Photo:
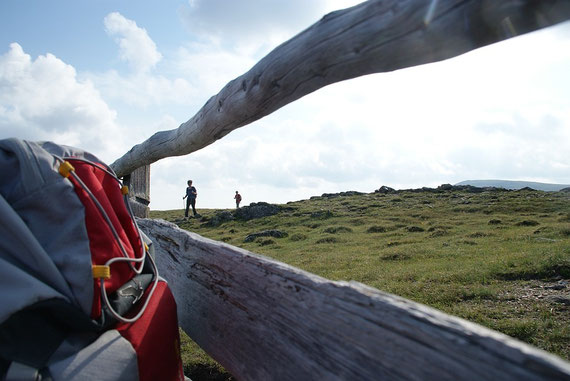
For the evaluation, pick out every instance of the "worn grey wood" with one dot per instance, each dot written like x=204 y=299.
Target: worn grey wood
x=139 y=190
x=375 y=36
x=265 y=320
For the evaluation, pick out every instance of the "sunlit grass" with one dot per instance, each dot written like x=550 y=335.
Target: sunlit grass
x=470 y=255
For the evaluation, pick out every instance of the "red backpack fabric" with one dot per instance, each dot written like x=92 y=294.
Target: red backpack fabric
x=96 y=307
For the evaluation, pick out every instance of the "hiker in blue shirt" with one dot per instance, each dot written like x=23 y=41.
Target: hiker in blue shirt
x=190 y=197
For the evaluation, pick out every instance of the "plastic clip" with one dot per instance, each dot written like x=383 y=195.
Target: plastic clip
x=100 y=271
x=65 y=169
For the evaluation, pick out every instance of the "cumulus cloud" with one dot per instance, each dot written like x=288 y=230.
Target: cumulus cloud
x=208 y=67
x=254 y=27
x=136 y=47
x=144 y=86
x=43 y=99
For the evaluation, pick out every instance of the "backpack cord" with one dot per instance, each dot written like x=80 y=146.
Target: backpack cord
x=125 y=257
x=143 y=308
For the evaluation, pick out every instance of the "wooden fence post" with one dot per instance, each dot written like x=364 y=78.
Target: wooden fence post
x=139 y=190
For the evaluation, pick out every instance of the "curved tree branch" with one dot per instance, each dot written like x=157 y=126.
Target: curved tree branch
x=372 y=37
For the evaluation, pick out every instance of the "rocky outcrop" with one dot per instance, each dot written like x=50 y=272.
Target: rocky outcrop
x=256 y=210
x=342 y=194
x=385 y=190
x=440 y=189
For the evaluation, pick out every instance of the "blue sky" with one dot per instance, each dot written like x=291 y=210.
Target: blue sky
x=105 y=75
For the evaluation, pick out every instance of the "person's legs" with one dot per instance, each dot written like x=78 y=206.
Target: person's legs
x=194 y=206
x=187 y=206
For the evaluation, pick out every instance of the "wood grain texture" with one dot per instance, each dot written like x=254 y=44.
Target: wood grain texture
x=138 y=183
x=265 y=320
x=372 y=37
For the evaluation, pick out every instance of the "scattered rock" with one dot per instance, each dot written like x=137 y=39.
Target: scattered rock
x=562 y=299
x=527 y=223
x=555 y=287
x=266 y=233
x=561 y=285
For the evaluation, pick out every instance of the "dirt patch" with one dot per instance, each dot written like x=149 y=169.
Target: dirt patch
x=556 y=293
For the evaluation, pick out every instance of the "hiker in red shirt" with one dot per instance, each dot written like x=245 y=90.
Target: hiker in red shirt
x=237 y=197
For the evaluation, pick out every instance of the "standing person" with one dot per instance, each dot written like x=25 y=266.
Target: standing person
x=237 y=197
x=190 y=197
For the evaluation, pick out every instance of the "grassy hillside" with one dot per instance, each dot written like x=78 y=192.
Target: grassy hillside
x=497 y=258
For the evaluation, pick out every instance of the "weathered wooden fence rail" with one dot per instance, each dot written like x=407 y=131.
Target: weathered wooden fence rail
x=265 y=320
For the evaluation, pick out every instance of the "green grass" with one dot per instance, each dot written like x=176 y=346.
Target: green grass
x=485 y=257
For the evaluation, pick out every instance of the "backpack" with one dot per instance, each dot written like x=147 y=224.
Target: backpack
x=80 y=293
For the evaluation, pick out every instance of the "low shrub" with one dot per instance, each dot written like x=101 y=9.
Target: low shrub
x=528 y=223
x=338 y=229
x=298 y=237
x=328 y=240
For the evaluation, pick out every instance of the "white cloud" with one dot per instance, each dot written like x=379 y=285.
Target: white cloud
x=209 y=67
x=143 y=90
x=136 y=47
x=254 y=27
x=146 y=87
x=42 y=99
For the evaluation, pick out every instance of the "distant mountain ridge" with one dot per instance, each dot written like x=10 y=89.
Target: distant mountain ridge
x=508 y=184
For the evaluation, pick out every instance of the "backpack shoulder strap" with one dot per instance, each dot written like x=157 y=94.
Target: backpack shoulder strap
x=46 y=324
